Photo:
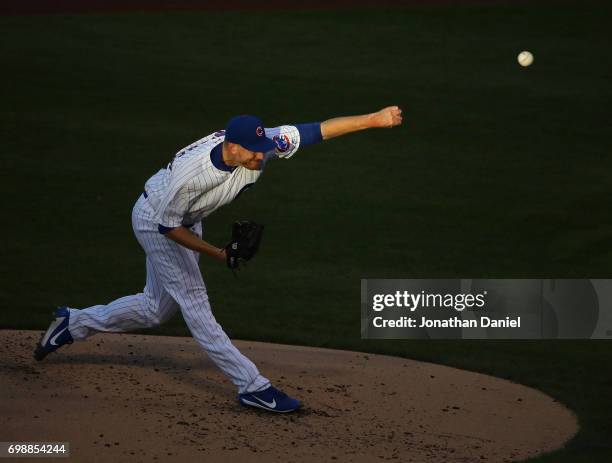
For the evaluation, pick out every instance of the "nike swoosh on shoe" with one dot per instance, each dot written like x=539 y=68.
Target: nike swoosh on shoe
x=267 y=404
x=57 y=322
x=258 y=405
x=54 y=338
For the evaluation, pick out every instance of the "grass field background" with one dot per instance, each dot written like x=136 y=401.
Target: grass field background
x=498 y=171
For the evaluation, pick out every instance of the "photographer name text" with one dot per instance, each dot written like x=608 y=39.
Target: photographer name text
x=455 y=322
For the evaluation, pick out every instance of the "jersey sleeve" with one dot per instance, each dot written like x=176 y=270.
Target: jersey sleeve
x=286 y=138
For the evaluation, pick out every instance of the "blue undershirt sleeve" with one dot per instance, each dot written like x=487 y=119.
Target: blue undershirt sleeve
x=309 y=133
x=163 y=230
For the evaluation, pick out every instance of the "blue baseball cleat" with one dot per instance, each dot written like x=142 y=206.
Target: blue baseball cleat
x=56 y=336
x=270 y=399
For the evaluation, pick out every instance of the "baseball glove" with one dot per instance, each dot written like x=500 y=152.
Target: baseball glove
x=246 y=236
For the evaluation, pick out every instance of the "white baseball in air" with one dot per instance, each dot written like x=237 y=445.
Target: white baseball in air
x=525 y=58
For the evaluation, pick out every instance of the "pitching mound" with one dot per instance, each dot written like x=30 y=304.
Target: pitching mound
x=146 y=398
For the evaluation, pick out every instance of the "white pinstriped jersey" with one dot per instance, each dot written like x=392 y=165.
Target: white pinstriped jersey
x=191 y=187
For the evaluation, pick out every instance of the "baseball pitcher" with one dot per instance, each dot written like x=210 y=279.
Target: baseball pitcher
x=166 y=219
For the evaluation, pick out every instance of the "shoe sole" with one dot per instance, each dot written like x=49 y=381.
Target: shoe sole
x=40 y=352
x=55 y=324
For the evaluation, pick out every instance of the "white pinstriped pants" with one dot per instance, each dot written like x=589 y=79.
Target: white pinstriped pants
x=174 y=281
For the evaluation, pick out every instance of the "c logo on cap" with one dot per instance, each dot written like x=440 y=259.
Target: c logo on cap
x=259 y=131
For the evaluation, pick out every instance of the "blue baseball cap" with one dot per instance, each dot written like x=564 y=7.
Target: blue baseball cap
x=248 y=132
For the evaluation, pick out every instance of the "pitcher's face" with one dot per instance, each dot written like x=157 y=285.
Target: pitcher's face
x=250 y=159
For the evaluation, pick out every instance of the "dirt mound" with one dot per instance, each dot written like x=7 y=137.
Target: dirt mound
x=148 y=398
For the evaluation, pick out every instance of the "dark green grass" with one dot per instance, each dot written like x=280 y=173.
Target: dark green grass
x=498 y=171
